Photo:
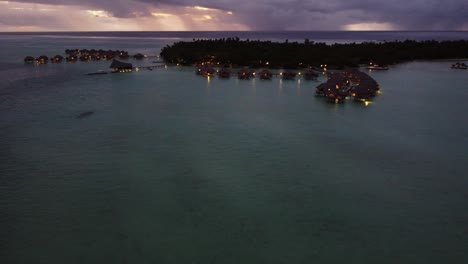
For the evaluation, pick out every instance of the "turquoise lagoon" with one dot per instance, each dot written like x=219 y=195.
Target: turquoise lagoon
x=177 y=168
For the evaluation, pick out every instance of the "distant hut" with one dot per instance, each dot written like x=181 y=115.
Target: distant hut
x=310 y=75
x=42 y=59
x=460 y=66
x=72 y=58
x=123 y=55
x=288 y=75
x=224 y=73
x=245 y=74
x=108 y=55
x=321 y=89
x=118 y=66
x=57 y=59
x=29 y=59
x=265 y=75
x=205 y=70
x=139 y=56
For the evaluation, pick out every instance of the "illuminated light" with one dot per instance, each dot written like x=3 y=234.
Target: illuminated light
x=3 y=2
x=281 y=73
x=98 y=13
x=156 y=14
x=267 y=63
x=229 y=12
x=369 y=26
x=366 y=103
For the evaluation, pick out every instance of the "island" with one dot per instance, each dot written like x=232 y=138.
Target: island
x=294 y=55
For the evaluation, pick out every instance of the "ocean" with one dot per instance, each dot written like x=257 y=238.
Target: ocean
x=172 y=167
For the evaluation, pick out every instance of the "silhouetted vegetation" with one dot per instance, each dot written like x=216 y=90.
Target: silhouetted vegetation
x=288 y=54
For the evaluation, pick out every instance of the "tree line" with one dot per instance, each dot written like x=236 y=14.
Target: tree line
x=261 y=53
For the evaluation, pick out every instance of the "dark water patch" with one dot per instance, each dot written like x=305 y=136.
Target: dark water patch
x=84 y=114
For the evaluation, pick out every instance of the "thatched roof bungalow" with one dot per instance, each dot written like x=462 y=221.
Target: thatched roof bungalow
x=57 y=59
x=205 y=70
x=224 y=73
x=29 y=59
x=118 y=66
x=265 y=75
x=42 y=59
x=245 y=74
x=72 y=58
x=288 y=75
x=139 y=56
x=310 y=75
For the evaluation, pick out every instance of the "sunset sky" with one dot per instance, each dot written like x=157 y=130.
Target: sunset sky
x=181 y=15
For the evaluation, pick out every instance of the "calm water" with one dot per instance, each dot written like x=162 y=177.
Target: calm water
x=175 y=168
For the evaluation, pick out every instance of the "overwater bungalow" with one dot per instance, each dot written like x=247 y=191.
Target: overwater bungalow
x=123 y=55
x=118 y=66
x=108 y=55
x=375 y=66
x=288 y=75
x=459 y=66
x=224 y=73
x=311 y=75
x=139 y=56
x=57 y=59
x=29 y=59
x=265 y=75
x=205 y=70
x=245 y=74
x=42 y=59
x=85 y=58
x=336 y=89
x=72 y=58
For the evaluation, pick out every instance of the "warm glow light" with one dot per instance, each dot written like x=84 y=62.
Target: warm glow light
x=369 y=26
x=229 y=12
x=98 y=13
x=202 y=8
x=155 y=14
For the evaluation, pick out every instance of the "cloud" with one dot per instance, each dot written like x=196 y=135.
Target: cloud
x=263 y=14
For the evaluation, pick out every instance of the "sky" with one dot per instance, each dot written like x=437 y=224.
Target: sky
x=207 y=15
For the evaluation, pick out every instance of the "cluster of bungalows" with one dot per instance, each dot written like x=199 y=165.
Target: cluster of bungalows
x=247 y=73
x=43 y=59
x=460 y=66
x=348 y=83
x=73 y=55
x=93 y=54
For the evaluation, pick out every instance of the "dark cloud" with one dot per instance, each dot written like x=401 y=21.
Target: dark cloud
x=303 y=14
